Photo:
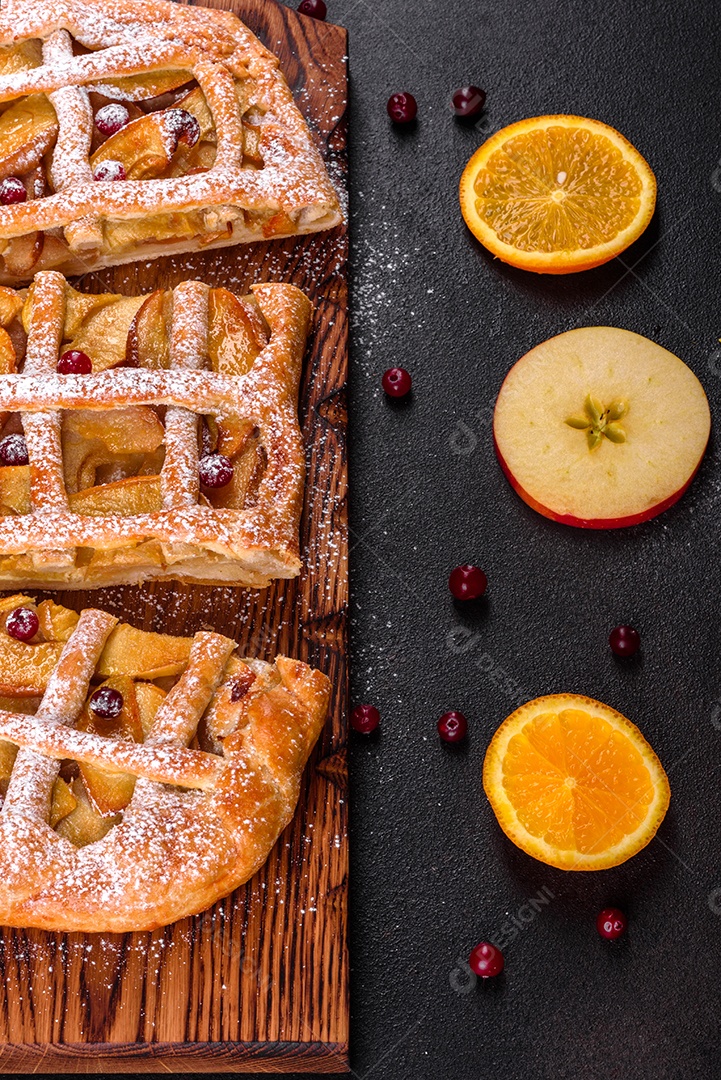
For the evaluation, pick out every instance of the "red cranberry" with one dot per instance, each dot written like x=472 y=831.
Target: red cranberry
x=110 y=170
x=111 y=118
x=467 y=582
x=452 y=726
x=365 y=718
x=397 y=382
x=75 y=362
x=12 y=190
x=183 y=125
x=107 y=703
x=486 y=960
x=611 y=923
x=22 y=623
x=215 y=471
x=14 y=450
x=402 y=108
x=468 y=102
x=624 y=641
x=315 y=8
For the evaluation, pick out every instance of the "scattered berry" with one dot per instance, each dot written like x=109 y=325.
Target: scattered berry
x=111 y=119
x=75 y=362
x=315 y=8
x=468 y=102
x=215 y=470
x=467 y=582
x=183 y=125
x=12 y=190
x=14 y=450
x=624 y=641
x=107 y=703
x=22 y=623
x=453 y=726
x=110 y=170
x=365 y=718
x=397 y=382
x=402 y=108
x=611 y=923
x=486 y=960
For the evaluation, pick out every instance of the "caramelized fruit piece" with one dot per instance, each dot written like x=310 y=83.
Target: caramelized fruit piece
x=251 y=143
x=7 y=355
x=227 y=711
x=63 y=802
x=15 y=489
x=201 y=156
x=157 y=228
x=103 y=335
x=120 y=436
x=148 y=84
x=248 y=469
x=23 y=252
x=134 y=495
x=27 y=131
x=233 y=434
x=83 y=825
x=149 y=698
x=110 y=792
x=25 y=669
x=8 y=753
x=148 y=343
x=135 y=427
x=21 y=57
x=235 y=334
x=79 y=307
x=142 y=655
x=11 y=304
x=56 y=622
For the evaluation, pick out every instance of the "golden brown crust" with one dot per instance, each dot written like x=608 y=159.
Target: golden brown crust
x=282 y=190
x=178 y=533
x=175 y=850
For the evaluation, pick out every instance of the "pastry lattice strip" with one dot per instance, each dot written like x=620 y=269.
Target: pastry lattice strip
x=128 y=39
x=263 y=398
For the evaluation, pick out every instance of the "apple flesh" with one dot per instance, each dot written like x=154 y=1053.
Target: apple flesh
x=646 y=418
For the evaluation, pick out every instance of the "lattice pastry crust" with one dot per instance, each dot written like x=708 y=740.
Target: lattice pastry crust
x=212 y=151
x=118 y=824
x=183 y=382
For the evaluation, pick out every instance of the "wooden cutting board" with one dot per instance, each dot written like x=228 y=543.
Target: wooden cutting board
x=259 y=983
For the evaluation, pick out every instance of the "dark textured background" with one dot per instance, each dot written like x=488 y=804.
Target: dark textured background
x=431 y=872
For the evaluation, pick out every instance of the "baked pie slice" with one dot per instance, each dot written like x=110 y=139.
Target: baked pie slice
x=143 y=776
x=131 y=129
x=150 y=436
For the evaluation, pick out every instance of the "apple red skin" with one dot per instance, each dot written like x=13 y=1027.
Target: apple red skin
x=595 y=523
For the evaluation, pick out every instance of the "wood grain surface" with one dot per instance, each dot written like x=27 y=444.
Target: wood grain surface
x=258 y=983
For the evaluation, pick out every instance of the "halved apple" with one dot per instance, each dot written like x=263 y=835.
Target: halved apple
x=27 y=131
x=600 y=428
